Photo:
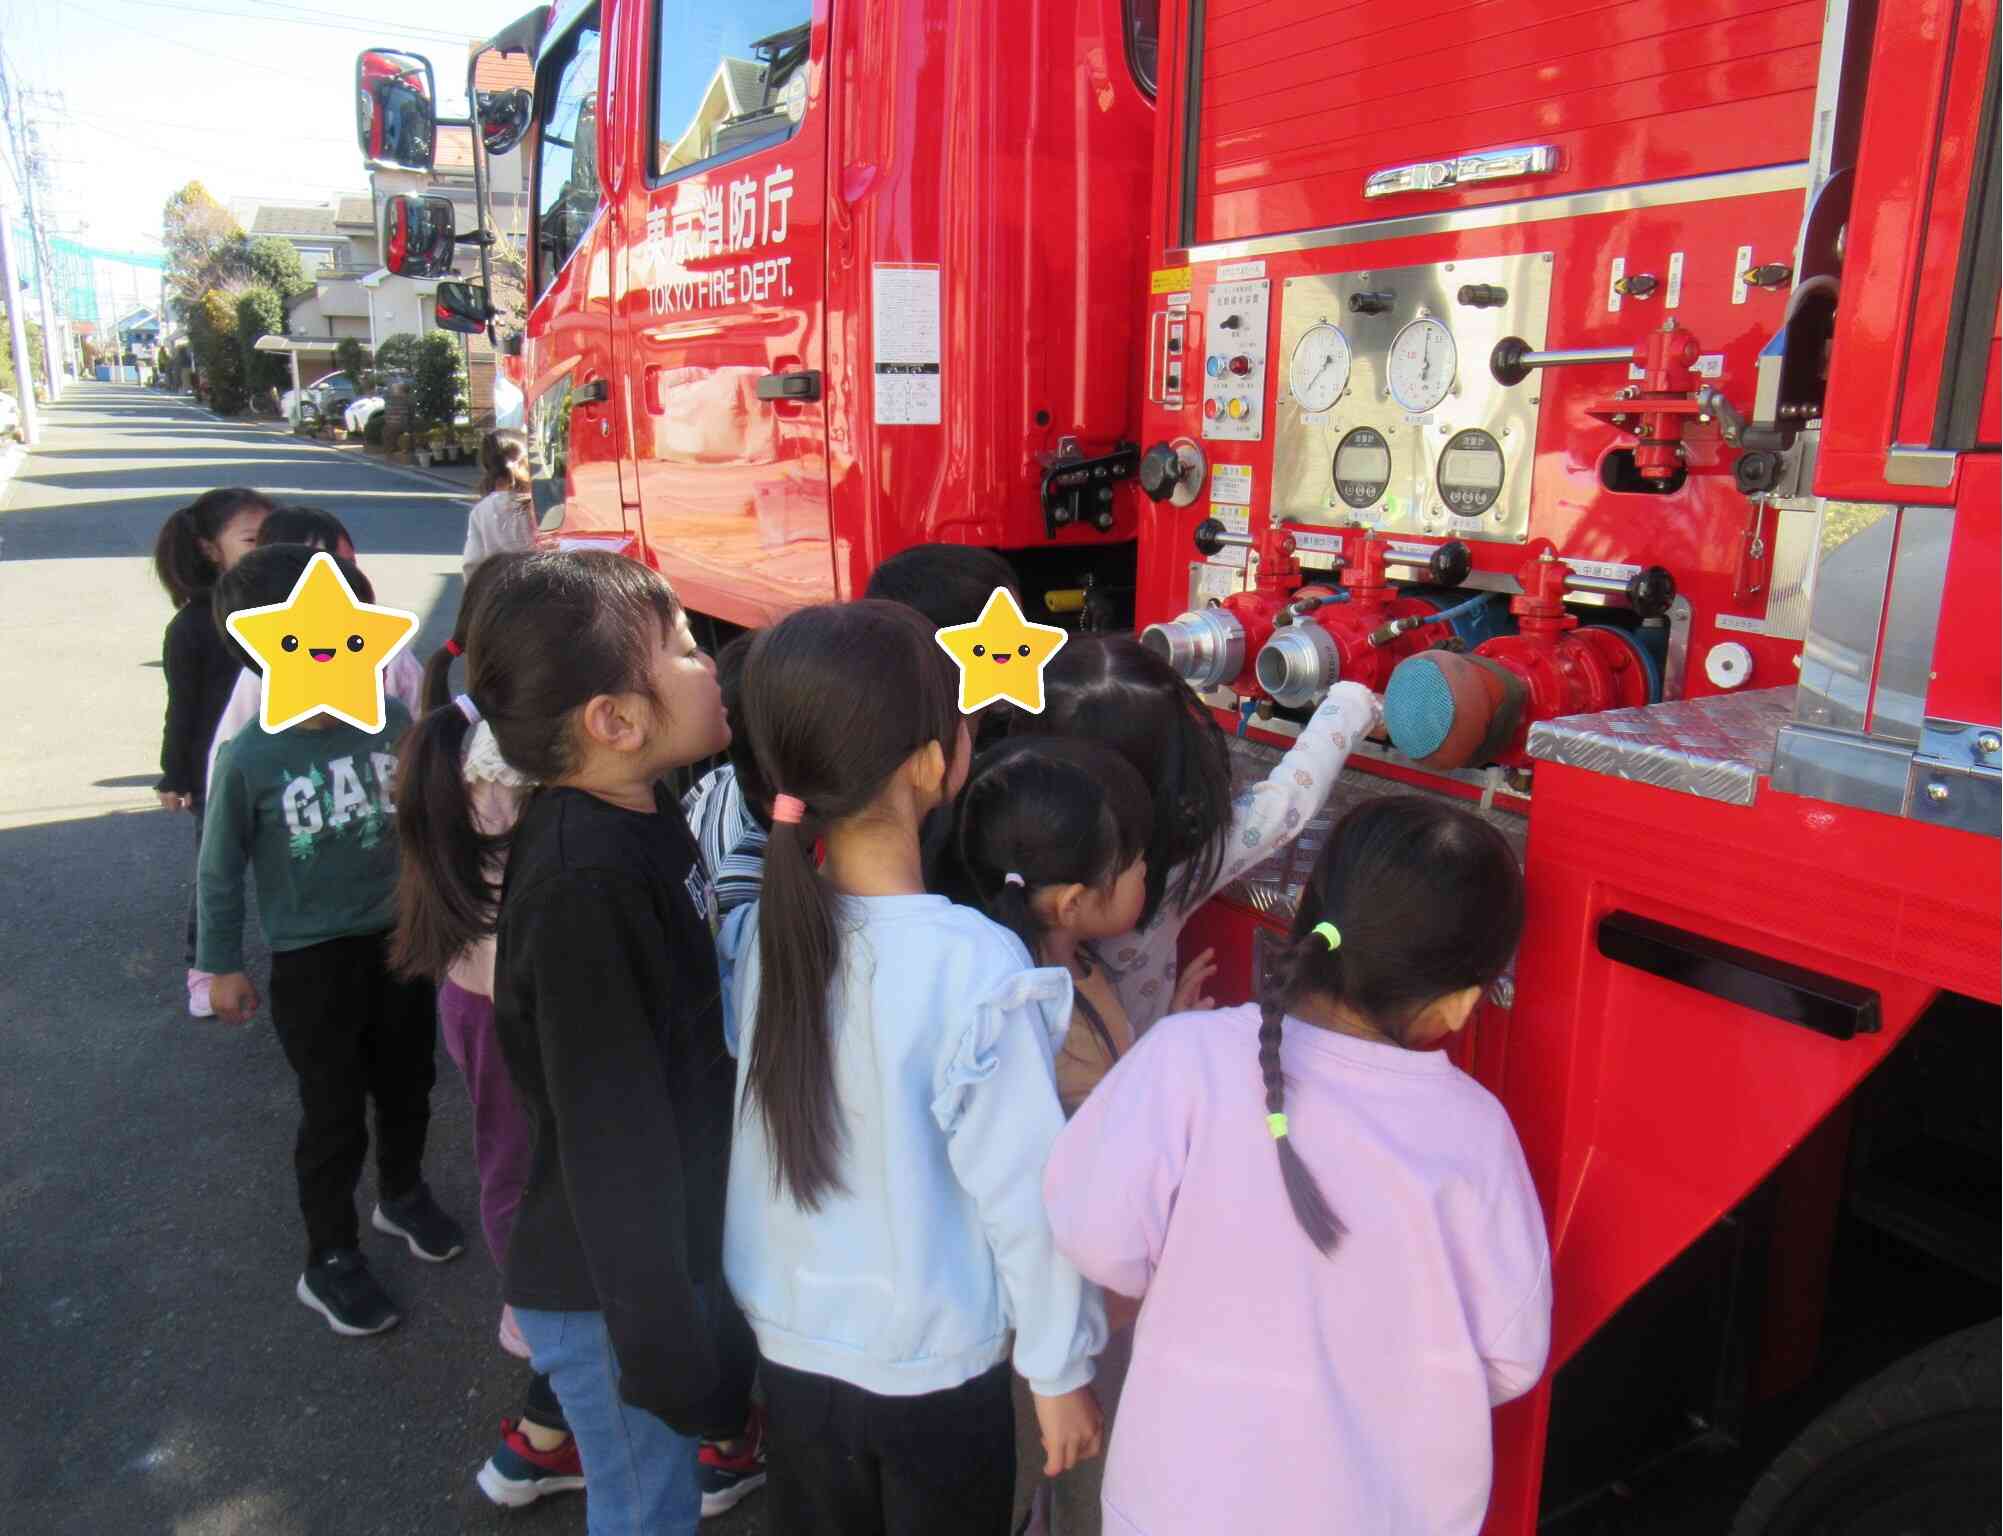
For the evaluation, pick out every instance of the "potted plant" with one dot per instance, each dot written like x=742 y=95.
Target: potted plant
x=420 y=444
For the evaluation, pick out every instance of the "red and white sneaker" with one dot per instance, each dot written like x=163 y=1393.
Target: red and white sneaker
x=725 y=1479
x=519 y=1474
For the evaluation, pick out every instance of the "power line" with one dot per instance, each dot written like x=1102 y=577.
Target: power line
x=92 y=119
x=207 y=53
x=303 y=20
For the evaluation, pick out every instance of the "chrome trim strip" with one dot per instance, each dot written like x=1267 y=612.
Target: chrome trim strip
x=1911 y=624
x=1932 y=468
x=1566 y=205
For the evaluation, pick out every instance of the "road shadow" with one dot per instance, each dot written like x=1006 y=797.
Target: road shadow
x=149 y=1240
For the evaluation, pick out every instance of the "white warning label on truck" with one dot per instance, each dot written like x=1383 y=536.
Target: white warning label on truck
x=905 y=309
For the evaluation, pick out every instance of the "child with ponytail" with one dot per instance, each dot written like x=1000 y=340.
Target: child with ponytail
x=896 y=1102
x=537 y=1455
x=503 y=519
x=581 y=667
x=1316 y=1151
x=196 y=545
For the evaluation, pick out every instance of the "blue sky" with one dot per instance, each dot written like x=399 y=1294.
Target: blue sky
x=254 y=98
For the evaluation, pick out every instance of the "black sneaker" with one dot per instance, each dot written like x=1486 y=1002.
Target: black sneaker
x=340 y=1288
x=433 y=1236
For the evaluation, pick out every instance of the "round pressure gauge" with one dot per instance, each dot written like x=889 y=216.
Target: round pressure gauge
x=1421 y=365
x=1319 y=372
x=1470 y=473
x=1362 y=467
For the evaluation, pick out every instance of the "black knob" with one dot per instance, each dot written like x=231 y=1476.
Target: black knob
x=1505 y=362
x=1769 y=275
x=1161 y=472
x=1756 y=472
x=1483 y=296
x=1450 y=563
x=1638 y=285
x=1210 y=536
x=1231 y=322
x=1103 y=520
x=1368 y=303
x=1651 y=591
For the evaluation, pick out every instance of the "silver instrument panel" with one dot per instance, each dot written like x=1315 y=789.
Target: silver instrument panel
x=1474 y=420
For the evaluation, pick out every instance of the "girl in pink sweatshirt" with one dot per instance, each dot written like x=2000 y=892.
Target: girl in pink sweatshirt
x=1342 y=1259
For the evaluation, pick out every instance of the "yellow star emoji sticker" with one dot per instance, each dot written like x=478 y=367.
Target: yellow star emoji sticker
x=322 y=650
x=1001 y=655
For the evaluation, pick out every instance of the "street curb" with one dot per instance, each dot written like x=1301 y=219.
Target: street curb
x=408 y=471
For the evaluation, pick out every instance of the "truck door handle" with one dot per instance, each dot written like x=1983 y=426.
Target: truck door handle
x=597 y=392
x=803 y=384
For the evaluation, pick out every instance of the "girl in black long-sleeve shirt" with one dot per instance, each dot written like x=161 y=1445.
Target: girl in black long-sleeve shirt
x=606 y=1005
x=196 y=545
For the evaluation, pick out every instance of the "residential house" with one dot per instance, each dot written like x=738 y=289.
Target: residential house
x=337 y=245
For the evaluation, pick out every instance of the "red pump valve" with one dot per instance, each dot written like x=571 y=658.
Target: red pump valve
x=1450 y=711
x=1656 y=410
x=1324 y=641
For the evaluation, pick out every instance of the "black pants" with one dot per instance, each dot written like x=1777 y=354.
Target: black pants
x=845 y=1462
x=195 y=890
x=352 y=1033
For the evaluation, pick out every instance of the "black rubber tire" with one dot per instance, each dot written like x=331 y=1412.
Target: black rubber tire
x=1911 y=1452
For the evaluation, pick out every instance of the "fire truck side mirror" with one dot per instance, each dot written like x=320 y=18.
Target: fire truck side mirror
x=504 y=119
x=462 y=307
x=396 y=112
x=418 y=236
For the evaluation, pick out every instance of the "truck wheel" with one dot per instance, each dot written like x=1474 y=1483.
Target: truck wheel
x=1911 y=1452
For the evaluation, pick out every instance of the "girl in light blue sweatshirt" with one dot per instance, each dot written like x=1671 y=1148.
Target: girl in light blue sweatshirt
x=896 y=1101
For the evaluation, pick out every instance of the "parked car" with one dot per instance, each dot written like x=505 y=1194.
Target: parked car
x=357 y=415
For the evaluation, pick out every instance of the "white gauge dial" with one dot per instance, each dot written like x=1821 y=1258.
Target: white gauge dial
x=1319 y=372
x=1421 y=366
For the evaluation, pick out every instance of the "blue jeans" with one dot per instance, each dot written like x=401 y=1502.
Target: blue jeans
x=639 y=1475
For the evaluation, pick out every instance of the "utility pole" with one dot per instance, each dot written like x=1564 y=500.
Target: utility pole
x=17 y=330
x=25 y=173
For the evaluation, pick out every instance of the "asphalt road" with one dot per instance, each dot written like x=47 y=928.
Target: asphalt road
x=156 y=1373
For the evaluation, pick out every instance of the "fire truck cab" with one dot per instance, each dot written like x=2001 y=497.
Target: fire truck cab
x=1612 y=385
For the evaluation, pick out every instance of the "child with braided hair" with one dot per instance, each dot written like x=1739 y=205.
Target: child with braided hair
x=1394 y=1267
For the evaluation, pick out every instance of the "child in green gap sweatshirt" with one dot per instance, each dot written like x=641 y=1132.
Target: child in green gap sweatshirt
x=309 y=809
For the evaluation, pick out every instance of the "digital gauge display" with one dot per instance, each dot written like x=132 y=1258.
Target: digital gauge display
x=1362 y=467
x=1420 y=369
x=1470 y=472
x=1319 y=371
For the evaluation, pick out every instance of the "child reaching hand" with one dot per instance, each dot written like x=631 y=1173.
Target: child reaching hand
x=1111 y=689
x=896 y=1101
x=1313 y=1152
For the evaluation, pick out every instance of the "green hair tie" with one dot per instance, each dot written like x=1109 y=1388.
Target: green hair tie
x=1329 y=933
x=1277 y=1124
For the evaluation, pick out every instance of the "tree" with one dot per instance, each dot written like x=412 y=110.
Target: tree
x=212 y=330
x=352 y=358
x=8 y=383
x=203 y=244
x=437 y=388
x=273 y=263
x=259 y=312
x=397 y=354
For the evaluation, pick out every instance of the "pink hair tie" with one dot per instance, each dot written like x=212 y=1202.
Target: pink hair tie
x=787 y=809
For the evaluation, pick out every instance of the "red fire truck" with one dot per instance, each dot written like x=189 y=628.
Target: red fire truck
x=1614 y=385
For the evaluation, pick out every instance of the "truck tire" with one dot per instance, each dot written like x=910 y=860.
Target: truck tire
x=1911 y=1452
